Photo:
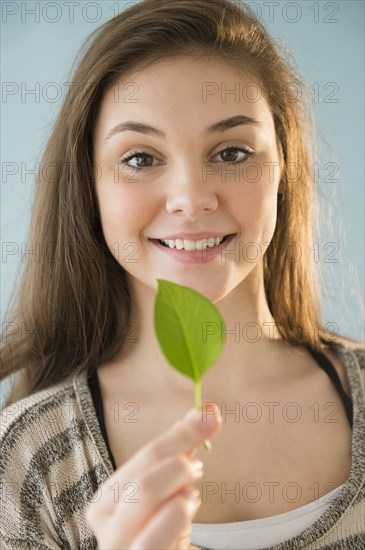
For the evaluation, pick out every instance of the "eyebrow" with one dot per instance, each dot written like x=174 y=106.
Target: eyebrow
x=220 y=126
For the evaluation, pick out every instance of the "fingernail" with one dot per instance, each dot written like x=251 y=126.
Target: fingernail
x=208 y=415
x=196 y=464
x=197 y=468
x=203 y=418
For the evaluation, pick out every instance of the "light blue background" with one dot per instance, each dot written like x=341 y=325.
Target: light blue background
x=37 y=50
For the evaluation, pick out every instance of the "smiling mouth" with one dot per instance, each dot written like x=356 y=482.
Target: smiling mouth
x=192 y=245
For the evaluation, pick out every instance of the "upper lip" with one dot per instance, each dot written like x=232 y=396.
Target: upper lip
x=194 y=236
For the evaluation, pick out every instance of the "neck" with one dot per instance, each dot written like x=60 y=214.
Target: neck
x=251 y=337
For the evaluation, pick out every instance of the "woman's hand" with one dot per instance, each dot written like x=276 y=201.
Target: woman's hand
x=159 y=513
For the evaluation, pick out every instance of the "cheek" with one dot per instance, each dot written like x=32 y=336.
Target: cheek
x=123 y=212
x=254 y=200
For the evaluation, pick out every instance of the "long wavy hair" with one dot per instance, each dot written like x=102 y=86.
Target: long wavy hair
x=71 y=308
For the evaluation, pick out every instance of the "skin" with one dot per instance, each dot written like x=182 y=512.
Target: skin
x=172 y=196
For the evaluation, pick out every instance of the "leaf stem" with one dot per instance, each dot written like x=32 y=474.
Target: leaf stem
x=198 y=395
x=198 y=406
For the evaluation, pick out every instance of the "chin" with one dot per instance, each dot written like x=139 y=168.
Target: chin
x=213 y=288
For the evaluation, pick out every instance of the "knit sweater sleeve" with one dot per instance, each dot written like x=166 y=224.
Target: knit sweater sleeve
x=49 y=472
x=27 y=513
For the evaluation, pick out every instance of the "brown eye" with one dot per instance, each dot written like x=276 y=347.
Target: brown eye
x=138 y=165
x=229 y=155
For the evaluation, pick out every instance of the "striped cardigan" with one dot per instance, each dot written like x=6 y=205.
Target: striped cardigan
x=53 y=459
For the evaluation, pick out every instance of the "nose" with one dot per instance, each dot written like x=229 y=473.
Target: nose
x=190 y=195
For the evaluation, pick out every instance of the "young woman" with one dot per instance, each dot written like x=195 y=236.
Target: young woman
x=158 y=170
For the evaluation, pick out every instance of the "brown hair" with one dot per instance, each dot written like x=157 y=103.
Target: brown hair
x=72 y=306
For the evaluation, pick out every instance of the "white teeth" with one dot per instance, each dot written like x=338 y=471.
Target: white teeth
x=185 y=244
x=189 y=245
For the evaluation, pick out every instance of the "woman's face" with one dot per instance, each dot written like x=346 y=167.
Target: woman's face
x=188 y=179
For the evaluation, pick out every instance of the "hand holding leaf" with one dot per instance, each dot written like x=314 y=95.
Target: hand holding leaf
x=185 y=325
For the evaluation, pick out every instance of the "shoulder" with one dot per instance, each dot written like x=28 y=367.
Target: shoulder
x=33 y=420
x=346 y=355
x=352 y=348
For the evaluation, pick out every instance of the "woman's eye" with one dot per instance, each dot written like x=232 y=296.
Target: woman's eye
x=136 y=166
x=229 y=155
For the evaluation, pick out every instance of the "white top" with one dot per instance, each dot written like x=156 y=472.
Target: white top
x=259 y=533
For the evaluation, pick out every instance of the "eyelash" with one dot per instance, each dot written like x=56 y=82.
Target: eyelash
x=125 y=160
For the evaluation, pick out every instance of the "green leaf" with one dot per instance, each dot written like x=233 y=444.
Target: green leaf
x=188 y=327
x=189 y=330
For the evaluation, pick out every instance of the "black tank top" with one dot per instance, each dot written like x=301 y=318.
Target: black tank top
x=321 y=359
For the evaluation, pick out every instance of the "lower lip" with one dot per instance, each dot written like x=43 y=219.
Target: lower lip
x=194 y=256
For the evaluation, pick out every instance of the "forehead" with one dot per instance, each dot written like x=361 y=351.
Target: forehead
x=185 y=91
